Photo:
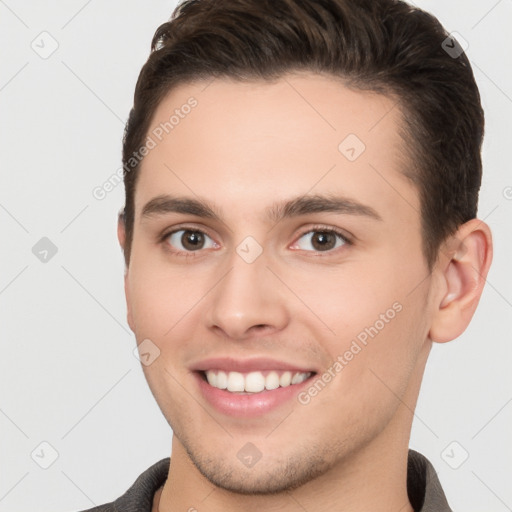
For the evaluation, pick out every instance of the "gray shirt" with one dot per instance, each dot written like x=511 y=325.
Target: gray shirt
x=423 y=487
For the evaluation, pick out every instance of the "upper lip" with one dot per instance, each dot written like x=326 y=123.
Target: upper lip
x=247 y=365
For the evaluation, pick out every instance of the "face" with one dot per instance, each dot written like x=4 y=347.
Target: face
x=277 y=251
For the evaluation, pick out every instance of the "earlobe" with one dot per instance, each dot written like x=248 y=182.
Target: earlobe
x=121 y=231
x=463 y=273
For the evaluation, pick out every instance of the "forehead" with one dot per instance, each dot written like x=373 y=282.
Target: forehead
x=245 y=142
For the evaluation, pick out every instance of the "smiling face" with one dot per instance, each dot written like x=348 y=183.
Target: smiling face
x=277 y=243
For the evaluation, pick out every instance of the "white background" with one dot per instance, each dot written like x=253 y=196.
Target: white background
x=68 y=374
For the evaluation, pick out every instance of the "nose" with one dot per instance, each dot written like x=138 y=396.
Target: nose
x=247 y=301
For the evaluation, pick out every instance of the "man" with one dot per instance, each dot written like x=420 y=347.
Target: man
x=300 y=226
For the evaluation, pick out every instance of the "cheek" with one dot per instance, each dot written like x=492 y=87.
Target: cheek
x=379 y=358
x=345 y=299
x=373 y=318
x=370 y=372
x=161 y=298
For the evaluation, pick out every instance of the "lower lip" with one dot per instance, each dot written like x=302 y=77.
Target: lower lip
x=252 y=405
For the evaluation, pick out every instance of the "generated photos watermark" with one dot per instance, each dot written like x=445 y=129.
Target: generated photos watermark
x=157 y=134
x=356 y=346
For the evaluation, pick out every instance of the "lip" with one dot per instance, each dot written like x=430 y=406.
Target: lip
x=229 y=364
x=247 y=405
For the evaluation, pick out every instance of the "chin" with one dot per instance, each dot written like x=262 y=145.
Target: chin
x=264 y=478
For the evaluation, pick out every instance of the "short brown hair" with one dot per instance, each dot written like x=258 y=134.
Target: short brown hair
x=385 y=46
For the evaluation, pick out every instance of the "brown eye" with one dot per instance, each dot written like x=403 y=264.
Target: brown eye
x=192 y=240
x=321 y=240
x=186 y=240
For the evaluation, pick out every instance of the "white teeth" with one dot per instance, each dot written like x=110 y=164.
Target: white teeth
x=298 y=378
x=235 y=381
x=272 y=381
x=222 y=380
x=253 y=382
x=212 y=379
x=286 y=379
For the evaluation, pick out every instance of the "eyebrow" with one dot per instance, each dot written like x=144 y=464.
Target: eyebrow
x=295 y=207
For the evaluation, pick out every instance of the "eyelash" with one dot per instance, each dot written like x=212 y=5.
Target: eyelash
x=192 y=254
x=324 y=229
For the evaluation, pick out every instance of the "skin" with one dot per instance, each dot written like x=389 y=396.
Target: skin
x=242 y=148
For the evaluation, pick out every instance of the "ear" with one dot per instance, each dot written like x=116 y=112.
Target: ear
x=121 y=236
x=121 y=231
x=462 y=275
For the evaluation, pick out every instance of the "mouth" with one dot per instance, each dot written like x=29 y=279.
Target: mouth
x=250 y=383
x=249 y=388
